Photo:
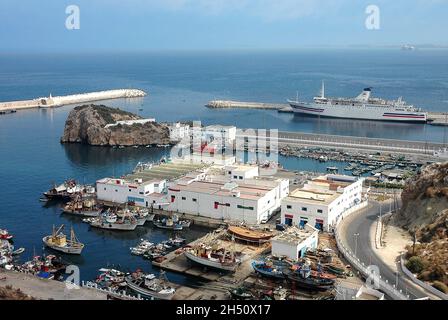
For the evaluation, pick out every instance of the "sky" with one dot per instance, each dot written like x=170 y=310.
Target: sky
x=133 y=25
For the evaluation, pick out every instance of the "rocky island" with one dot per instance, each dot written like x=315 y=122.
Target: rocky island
x=99 y=125
x=425 y=214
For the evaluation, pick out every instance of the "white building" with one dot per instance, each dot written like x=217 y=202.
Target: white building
x=241 y=172
x=321 y=201
x=216 y=134
x=251 y=201
x=294 y=242
x=179 y=131
x=130 y=122
x=122 y=191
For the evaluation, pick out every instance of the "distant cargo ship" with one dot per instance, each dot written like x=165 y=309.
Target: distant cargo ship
x=362 y=107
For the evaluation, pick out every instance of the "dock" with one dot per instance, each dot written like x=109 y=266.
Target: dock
x=228 y=104
x=438 y=118
x=59 y=101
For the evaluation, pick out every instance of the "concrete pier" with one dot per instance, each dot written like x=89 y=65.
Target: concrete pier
x=224 y=104
x=58 y=101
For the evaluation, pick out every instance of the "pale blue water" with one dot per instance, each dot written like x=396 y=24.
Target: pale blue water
x=179 y=84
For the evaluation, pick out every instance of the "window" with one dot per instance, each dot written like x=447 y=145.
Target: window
x=243 y=207
x=105 y=188
x=241 y=177
x=319 y=211
x=141 y=192
x=230 y=172
x=116 y=190
x=304 y=209
x=235 y=177
x=288 y=207
x=195 y=200
x=156 y=185
x=183 y=198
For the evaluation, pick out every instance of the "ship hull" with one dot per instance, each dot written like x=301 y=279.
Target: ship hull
x=67 y=250
x=114 y=226
x=357 y=113
x=147 y=293
x=209 y=263
x=93 y=213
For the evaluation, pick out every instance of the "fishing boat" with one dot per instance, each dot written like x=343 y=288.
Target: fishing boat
x=58 y=241
x=268 y=269
x=5 y=235
x=68 y=189
x=185 y=223
x=302 y=277
x=256 y=236
x=111 y=278
x=109 y=220
x=82 y=208
x=211 y=256
x=149 y=285
x=167 y=223
x=18 y=251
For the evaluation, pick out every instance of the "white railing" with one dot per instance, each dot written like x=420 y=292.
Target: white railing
x=422 y=284
x=384 y=285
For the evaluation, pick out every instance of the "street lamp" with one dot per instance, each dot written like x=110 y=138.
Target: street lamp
x=356 y=235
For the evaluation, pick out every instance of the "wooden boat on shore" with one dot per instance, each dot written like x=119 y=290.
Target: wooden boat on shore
x=256 y=236
x=303 y=278
x=58 y=241
x=149 y=286
x=210 y=256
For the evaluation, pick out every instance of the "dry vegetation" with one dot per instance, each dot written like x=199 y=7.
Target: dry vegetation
x=9 y=293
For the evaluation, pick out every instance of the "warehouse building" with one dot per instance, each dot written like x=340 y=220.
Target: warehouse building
x=321 y=201
x=252 y=201
x=294 y=242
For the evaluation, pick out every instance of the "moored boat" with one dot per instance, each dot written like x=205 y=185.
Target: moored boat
x=5 y=235
x=111 y=221
x=167 y=223
x=82 y=208
x=58 y=241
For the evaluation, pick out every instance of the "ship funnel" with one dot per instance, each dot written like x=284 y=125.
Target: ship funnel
x=322 y=91
x=365 y=95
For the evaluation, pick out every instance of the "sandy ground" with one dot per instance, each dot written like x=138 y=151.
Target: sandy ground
x=46 y=289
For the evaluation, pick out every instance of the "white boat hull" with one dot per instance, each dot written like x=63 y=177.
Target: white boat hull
x=210 y=263
x=148 y=293
x=357 y=112
x=114 y=226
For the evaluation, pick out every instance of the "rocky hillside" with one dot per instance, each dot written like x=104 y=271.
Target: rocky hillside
x=425 y=212
x=86 y=124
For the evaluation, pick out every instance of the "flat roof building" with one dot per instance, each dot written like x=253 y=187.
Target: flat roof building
x=321 y=201
x=294 y=242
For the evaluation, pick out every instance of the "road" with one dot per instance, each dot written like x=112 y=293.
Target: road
x=363 y=245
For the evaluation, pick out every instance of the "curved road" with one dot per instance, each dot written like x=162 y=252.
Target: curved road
x=363 y=245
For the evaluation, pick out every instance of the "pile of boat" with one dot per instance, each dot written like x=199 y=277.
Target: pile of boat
x=138 y=283
x=82 y=207
x=157 y=252
x=172 y=223
x=120 y=219
x=7 y=250
x=69 y=189
x=47 y=267
x=300 y=274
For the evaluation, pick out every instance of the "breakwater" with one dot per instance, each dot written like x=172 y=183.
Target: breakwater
x=223 y=104
x=58 y=101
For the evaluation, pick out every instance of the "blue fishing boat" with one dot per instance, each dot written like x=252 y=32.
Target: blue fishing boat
x=268 y=269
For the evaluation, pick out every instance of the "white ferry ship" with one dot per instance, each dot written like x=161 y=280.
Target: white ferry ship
x=362 y=107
